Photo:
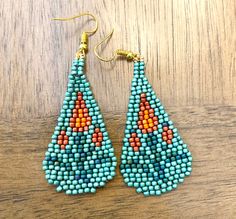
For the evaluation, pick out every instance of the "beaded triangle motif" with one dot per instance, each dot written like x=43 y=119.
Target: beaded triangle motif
x=154 y=158
x=80 y=157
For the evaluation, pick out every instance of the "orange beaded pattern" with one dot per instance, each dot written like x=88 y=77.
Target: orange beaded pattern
x=147 y=120
x=62 y=140
x=134 y=141
x=167 y=135
x=97 y=137
x=80 y=119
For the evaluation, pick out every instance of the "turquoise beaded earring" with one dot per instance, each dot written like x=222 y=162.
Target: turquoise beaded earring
x=154 y=157
x=80 y=157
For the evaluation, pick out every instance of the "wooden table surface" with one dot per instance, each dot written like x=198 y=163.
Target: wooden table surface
x=190 y=53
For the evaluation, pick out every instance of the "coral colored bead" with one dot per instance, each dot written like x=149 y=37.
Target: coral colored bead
x=151 y=111
x=88 y=123
x=132 y=144
x=140 y=126
x=59 y=142
x=150 y=130
x=98 y=144
x=94 y=140
x=95 y=135
x=97 y=130
x=100 y=134
x=72 y=119
x=99 y=139
x=169 y=142
x=65 y=142
x=63 y=132
x=136 y=149
x=141 y=113
x=60 y=137
x=74 y=129
x=86 y=128
x=151 y=115
x=169 y=131
x=63 y=147
x=165 y=129
x=133 y=135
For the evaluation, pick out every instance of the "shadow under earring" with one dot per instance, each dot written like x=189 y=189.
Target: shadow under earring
x=154 y=157
x=80 y=157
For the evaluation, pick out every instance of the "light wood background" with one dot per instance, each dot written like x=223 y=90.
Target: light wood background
x=190 y=52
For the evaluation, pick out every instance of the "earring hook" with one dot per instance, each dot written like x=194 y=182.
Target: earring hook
x=119 y=52
x=90 y=32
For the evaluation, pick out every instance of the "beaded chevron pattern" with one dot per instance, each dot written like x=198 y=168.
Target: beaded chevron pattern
x=80 y=157
x=154 y=157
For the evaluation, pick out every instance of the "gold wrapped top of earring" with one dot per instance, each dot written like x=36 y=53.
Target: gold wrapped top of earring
x=83 y=48
x=128 y=54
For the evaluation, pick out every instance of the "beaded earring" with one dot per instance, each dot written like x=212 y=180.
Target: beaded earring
x=80 y=157
x=154 y=157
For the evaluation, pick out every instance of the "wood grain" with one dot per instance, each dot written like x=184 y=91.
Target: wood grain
x=189 y=47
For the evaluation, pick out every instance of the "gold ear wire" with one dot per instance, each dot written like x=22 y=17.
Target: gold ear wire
x=90 y=32
x=119 y=52
x=83 y=48
x=96 y=47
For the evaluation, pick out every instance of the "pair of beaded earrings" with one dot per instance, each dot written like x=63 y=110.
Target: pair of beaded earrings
x=80 y=157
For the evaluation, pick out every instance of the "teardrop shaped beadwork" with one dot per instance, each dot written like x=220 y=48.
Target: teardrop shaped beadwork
x=80 y=157
x=154 y=158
